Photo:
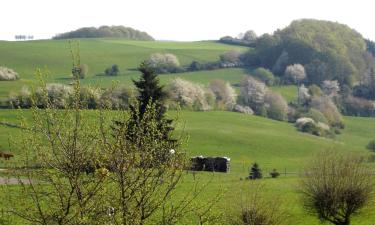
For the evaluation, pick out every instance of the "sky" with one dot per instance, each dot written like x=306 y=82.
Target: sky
x=179 y=20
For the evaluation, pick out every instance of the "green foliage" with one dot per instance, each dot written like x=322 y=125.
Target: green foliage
x=112 y=71
x=329 y=51
x=106 y=31
x=264 y=75
x=255 y=172
x=80 y=71
x=371 y=145
x=315 y=90
x=316 y=115
x=274 y=173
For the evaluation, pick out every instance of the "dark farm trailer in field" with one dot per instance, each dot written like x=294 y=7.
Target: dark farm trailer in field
x=213 y=164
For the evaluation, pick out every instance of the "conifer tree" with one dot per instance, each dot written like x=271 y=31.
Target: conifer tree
x=255 y=172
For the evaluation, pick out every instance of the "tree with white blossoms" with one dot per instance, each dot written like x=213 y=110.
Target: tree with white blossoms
x=331 y=87
x=303 y=94
x=252 y=93
x=225 y=95
x=7 y=74
x=188 y=94
x=295 y=73
x=164 y=62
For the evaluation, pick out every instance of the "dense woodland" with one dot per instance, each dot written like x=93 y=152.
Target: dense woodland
x=106 y=32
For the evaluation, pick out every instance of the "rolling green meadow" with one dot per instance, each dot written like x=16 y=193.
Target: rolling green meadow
x=244 y=138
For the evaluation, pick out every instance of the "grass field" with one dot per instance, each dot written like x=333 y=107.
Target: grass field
x=247 y=139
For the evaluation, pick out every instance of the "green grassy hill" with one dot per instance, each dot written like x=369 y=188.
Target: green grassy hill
x=98 y=54
x=246 y=139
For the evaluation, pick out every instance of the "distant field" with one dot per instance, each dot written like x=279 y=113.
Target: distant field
x=98 y=54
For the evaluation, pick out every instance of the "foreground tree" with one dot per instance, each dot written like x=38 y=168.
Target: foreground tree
x=336 y=186
x=150 y=93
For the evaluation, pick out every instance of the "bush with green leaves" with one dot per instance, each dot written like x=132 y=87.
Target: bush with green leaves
x=316 y=115
x=264 y=75
x=112 y=71
x=81 y=71
x=276 y=106
x=308 y=125
x=7 y=74
x=326 y=106
x=274 y=173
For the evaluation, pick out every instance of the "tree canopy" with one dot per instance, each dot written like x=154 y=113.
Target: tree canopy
x=328 y=51
x=106 y=31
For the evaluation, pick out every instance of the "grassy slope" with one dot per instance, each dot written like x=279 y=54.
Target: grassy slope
x=246 y=139
x=98 y=54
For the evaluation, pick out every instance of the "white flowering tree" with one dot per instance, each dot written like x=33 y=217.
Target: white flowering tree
x=295 y=73
x=331 y=87
x=252 y=93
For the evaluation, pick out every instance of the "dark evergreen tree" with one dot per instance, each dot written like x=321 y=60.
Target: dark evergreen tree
x=151 y=97
x=255 y=172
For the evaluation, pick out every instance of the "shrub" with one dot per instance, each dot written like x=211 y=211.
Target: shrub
x=295 y=73
x=276 y=106
x=195 y=66
x=231 y=57
x=90 y=97
x=336 y=186
x=371 y=145
x=316 y=115
x=81 y=71
x=329 y=110
x=314 y=90
x=189 y=95
x=331 y=87
x=112 y=71
x=265 y=75
x=308 y=125
x=358 y=107
x=117 y=97
x=303 y=95
x=259 y=209
x=252 y=94
x=243 y=109
x=7 y=74
x=164 y=63
x=274 y=173
x=255 y=172
x=225 y=95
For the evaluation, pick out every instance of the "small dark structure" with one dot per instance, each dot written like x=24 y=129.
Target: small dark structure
x=213 y=164
x=6 y=156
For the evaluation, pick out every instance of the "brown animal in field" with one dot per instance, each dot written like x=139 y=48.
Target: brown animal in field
x=6 y=156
